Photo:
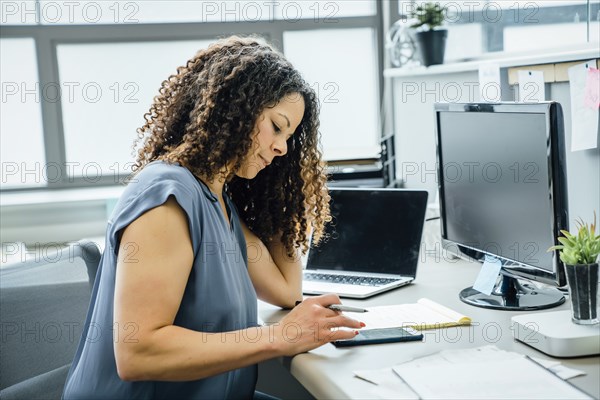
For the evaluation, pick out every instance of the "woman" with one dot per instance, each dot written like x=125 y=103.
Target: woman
x=229 y=186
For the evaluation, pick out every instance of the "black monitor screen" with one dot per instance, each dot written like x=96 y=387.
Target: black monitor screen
x=503 y=194
x=496 y=184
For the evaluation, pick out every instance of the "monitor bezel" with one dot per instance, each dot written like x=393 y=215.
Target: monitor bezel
x=557 y=185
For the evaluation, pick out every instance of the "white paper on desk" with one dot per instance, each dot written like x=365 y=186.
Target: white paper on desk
x=545 y=363
x=489 y=353
x=584 y=119
x=566 y=372
x=514 y=378
x=386 y=384
x=489 y=83
x=393 y=389
x=531 y=86
x=487 y=275
x=559 y=369
x=374 y=376
x=450 y=358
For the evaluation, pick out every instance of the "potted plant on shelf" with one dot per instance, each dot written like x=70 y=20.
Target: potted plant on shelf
x=579 y=252
x=431 y=41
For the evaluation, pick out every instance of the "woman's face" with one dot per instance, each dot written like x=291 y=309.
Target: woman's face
x=273 y=128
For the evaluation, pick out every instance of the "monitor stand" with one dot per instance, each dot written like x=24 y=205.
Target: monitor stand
x=509 y=294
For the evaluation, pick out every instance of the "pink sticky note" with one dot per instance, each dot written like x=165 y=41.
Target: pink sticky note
x=591 y=97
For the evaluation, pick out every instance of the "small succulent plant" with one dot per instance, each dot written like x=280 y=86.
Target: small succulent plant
x=430 y=14
x=580 y=248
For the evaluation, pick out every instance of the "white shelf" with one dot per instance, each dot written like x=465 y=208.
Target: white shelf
x=589 y=52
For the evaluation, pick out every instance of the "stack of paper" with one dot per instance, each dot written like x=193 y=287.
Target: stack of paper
x=478 y=373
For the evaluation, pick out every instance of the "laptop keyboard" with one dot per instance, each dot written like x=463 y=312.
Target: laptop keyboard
x=349 y=279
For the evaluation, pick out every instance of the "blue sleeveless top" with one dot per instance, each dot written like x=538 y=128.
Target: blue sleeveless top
x=219 y=295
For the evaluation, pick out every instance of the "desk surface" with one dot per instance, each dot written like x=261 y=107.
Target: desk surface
x=327 y=372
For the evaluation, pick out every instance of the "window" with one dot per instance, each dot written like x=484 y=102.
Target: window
x=343 y=79
x=98 y=60
x=502 y=25
x=102 y=107
x=21 y=141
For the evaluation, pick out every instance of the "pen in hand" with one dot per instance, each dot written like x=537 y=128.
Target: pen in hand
x=341 y=307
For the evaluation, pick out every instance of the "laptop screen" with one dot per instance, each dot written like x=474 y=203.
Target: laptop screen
x=373 y=230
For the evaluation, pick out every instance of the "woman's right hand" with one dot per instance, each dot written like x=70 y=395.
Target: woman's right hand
x=309 y=325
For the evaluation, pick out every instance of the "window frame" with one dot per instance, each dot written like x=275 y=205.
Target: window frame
x=48 y=37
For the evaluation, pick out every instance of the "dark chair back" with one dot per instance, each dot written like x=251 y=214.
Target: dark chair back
x=43 y=305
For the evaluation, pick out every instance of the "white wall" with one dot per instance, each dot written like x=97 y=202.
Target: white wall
x=583 y=167
x=414 y=97
x=414 y=123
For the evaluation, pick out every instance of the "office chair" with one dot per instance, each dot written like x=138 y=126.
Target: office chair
x=43 y=305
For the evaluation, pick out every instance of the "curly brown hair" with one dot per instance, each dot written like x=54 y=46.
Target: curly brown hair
x=203 y=119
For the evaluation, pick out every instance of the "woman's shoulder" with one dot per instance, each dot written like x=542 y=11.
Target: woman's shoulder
x=161 y=176
x=164 y=171
x=151 y=187
x=155 y=182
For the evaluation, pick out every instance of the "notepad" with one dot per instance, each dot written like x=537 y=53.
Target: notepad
x=424 y=314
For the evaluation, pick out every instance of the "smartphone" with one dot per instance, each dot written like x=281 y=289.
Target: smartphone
x=375 y=336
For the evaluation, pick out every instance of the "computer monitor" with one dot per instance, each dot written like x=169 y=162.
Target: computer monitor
x=503 y=194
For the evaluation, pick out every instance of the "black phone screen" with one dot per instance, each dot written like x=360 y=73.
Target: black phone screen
x=375 y=336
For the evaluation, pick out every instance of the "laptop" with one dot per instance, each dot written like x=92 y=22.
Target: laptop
x=373 y=246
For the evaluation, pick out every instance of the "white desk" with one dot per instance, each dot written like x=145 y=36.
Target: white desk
x=326 y=372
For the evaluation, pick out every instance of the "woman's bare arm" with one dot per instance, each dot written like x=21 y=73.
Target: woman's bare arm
x=277 y=278
x=154 y=261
